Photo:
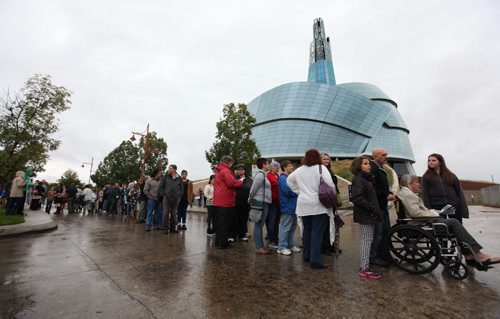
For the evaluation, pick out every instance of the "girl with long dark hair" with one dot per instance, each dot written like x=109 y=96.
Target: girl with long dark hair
x=441 y=187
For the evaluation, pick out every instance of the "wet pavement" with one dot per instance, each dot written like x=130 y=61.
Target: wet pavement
x=101 y=266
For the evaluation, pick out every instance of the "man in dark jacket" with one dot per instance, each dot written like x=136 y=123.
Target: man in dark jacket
x=381 y=186
x=225 y=185
x=171 y=190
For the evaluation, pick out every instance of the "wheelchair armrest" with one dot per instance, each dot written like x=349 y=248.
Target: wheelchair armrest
x=427 y=218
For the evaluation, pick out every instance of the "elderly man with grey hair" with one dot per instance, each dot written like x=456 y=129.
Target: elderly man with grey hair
x=415 y=208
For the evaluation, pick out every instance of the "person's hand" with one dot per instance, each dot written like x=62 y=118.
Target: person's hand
x=391 y=197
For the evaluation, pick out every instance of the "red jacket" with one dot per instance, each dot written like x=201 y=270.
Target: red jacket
x=225 y=184
x=273 y=179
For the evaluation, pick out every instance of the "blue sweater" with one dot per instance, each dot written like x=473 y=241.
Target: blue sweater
x=288 y=199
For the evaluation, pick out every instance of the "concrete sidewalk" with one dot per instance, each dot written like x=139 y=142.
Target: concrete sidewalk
x=35 y=221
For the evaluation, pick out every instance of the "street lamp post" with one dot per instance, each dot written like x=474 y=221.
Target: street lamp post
x=146 y=147
x=91 y=167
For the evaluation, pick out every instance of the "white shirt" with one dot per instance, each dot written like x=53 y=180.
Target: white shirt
x=87 y=193
x=305 y=182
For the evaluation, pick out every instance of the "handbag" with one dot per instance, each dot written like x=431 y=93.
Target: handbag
x=256 y=206
x=255 y=215
x=326 y=194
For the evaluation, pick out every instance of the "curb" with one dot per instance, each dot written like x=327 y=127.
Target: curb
x=5 y=233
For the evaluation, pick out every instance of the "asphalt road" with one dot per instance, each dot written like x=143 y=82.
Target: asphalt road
x=101 y=266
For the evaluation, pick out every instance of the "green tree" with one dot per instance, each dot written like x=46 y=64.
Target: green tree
x=234 y=137
x=124 y=163
x=156 y=153
x=28 y=121
x=70 y=177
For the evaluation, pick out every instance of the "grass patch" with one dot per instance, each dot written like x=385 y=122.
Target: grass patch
x=10 y=219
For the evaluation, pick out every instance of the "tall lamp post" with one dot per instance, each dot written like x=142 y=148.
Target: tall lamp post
x=91 y=167
x=146 y=147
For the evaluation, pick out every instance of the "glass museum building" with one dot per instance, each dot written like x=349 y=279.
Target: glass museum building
x=344 y=120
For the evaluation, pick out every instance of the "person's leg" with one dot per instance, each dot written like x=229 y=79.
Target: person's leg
x=377 y=238
x=149 y=215
x=291 y=233
x=306 y=237
x=20 y=205
x=257 y=230
x=317 y=229
x=242 y=224
x=166 y=213
x=48 y=207
x=386 y=227
x=285 y=229
x=221 y=233
x=173 y=216
x=366 y=241
x=461 y=233
x=326 y=247
x=210 y=219
x=277 y=225
x=9 y=208
x=159 y=213
x=271 y=224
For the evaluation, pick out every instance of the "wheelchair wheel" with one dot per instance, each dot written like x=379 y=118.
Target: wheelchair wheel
x=457 y=270
x=413 y=249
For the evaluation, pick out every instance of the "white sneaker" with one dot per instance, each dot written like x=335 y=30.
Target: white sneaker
x=244 y=239
x=230 y=240
x=296 y=249
x=273 y=246
x=285 y=252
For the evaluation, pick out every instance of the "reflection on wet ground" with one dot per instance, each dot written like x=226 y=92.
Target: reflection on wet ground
x=102 y=266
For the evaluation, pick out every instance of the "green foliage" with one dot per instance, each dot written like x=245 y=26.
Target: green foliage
x=156 y=155
x=234 y=137
x=341 y=168
x=27 y=122
x=345 y=173
x=124 y=163
x=10 y=219
x=70 y=177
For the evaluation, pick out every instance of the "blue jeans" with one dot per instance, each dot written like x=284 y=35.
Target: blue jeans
x=381 y=230
x=287 y=231
x=312 y=237
x=257 y=230
x=154 y=206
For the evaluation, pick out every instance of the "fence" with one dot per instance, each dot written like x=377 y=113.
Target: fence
x=491 y=195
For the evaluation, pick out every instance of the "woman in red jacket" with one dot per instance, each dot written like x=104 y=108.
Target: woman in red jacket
x=225 y=184
x=274 y=216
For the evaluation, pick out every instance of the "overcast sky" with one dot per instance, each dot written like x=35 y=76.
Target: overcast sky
x=174 y=64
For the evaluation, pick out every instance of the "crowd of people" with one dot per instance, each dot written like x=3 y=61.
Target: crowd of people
x=280 y=197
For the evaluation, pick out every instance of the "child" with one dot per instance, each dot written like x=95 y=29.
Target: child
x=288 y=203
x=366 y=211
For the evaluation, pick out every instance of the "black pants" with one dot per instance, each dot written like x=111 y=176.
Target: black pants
x=240 y=225
x=223 y=226
x=381 y=229
x=463 y=236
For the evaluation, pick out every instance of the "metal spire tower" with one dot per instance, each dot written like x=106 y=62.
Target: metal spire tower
x=320 y=56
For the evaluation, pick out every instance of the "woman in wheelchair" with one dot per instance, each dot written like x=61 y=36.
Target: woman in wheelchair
x=415 y=208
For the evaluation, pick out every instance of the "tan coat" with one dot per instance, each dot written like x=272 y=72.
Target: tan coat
x=18 y=185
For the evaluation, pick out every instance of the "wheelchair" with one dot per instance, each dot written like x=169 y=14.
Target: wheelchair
x=419 y=245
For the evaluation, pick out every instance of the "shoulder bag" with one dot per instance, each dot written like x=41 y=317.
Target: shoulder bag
x=256 y=206
x=326 y=194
